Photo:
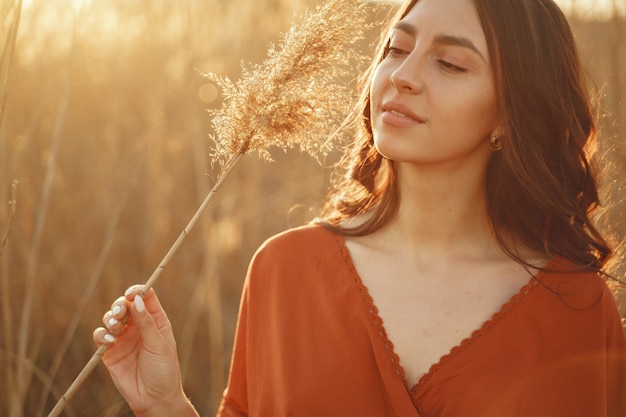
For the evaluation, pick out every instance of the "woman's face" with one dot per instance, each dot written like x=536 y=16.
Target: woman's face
x=433 y=96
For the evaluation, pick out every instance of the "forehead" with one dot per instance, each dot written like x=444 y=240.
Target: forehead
x=446 y=17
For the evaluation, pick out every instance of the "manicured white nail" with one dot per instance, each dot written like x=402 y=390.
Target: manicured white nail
x=109 y=338
x=129 y=291
x=112 y=321
x=116 y=310
x=139 y=304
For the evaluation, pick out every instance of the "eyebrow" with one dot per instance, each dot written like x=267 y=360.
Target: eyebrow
x=442 y=39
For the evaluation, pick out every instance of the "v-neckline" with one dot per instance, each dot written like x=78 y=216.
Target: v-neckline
x=395 y=359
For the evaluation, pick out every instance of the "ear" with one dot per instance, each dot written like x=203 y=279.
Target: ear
x=496 y=138
x=499 y=130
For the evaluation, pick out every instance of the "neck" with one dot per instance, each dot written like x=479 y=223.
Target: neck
x=443 y=214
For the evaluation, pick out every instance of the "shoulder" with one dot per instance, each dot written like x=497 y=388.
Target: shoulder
x=301 y=260
x=309 y=239
x=303 y=248
x=576 y=306
x=576 y=286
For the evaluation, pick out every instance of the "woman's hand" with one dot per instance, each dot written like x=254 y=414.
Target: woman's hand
x=142 y=358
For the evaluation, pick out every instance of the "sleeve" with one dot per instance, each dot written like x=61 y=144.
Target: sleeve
x=260 y=368
x=235 y=398
x=616 y=360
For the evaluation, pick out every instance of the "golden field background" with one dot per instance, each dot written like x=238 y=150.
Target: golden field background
x=104 y=157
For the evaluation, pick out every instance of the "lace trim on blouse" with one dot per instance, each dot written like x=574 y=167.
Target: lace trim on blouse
x=477 y=334
x=455 y=351
x=373 y=311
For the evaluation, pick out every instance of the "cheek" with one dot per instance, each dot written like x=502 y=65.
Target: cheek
x=475 y=107
x=379 y=81
x=488 y=110
x=376 y=92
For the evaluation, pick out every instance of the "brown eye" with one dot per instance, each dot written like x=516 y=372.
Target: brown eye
x=394 y=52
x=447 y=66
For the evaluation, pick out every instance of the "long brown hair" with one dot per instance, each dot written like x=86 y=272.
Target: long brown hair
x=541 y=187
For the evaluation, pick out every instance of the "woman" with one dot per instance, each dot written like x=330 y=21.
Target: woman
x=455 y=271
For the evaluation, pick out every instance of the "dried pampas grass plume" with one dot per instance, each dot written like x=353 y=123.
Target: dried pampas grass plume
x=296 y=98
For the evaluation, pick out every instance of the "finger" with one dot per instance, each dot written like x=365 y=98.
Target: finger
x=153 y=325
x=143 y=321
x=111 y=323
x=119 y=310
x=151 y=302
x=132 y=291
x=102 y=337
x=153 y=306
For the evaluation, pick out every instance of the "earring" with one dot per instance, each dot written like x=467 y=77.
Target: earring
x=495 y=143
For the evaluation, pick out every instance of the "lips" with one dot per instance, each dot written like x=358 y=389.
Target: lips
x=398 y=113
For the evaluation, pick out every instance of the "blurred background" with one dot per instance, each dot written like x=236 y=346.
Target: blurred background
x=104 y=157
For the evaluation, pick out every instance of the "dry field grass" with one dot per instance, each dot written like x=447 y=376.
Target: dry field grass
x=104 y=156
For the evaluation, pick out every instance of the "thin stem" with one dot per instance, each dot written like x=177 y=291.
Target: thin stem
x=22 y=378
x=84 y=301
x=7 y=57
x=12 y=205
x=95 y=358
x=157 y=272
x=6 y=60
x=82 y=376
x=7 y=303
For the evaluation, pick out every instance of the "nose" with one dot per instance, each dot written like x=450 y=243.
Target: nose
x=407 y=77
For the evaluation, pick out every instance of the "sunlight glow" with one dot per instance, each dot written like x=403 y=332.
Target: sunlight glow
x=587 y=9
x=79 y=5
x=601 y=9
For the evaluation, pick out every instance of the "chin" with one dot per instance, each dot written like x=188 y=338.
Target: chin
x=395 y=149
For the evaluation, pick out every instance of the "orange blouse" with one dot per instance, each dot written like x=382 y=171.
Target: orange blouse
x=310 y=343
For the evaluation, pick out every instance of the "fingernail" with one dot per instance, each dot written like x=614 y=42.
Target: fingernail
x=112 y=321
x=109 y=338
x=129 y=291
x=139 y=304
x=116 y=310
